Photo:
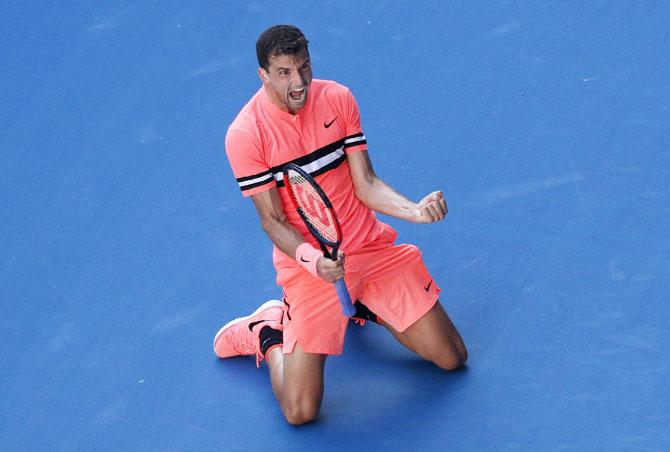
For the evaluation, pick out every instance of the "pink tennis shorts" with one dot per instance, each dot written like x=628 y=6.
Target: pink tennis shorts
x=391 y=280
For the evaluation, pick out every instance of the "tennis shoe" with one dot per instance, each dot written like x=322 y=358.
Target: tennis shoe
x=241 y=336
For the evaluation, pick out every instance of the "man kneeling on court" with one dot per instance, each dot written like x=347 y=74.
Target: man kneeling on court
x=316 y=125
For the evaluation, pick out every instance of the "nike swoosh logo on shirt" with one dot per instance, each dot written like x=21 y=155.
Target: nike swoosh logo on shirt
x=428 y=286
x=326 y=125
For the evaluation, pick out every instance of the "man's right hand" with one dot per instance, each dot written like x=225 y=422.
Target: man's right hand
x=331 y=270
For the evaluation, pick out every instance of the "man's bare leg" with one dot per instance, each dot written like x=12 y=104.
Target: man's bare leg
x=297 y=383
x=435 y=338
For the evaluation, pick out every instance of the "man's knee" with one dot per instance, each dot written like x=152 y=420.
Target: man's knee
x=301 y=412
x=451 y=358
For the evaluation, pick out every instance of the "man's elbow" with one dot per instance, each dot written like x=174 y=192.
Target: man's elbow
x=364 y=190
x=270 y=222
x=368 y=194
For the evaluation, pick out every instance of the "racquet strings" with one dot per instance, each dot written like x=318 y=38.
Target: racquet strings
x=312 y=206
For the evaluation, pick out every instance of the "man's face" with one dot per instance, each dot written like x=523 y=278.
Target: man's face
x=287 y=80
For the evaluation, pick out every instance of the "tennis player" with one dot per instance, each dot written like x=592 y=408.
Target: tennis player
x=316 y=124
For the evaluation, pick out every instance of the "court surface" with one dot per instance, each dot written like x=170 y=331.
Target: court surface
x=125 y=243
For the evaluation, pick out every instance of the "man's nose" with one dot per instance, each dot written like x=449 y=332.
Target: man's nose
x=298 y=79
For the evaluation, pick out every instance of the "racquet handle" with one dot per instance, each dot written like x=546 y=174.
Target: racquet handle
x=345 y=299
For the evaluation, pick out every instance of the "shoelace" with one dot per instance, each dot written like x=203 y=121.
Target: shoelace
x=260 y=357
x=257 y=346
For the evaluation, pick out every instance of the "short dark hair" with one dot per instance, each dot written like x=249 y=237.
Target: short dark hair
x=279 y=40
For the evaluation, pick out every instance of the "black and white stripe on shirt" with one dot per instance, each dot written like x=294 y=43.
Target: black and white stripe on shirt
x=315 y=163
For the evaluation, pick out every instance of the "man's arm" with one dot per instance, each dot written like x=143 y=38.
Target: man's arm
x=380 y=197
x=286 y=237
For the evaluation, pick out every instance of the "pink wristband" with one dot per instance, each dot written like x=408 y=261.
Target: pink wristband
x=307 y=256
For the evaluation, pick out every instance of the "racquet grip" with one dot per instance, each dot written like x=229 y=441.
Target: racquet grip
x=344 y=297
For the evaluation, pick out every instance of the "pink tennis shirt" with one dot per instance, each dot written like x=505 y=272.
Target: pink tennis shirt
x=263 y=138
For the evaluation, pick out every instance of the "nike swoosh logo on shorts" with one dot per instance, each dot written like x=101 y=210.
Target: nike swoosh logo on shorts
x=427 y=288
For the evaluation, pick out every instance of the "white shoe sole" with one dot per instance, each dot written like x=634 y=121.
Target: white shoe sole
x=263 y=307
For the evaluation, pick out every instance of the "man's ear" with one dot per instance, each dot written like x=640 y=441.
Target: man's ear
x=263 y=74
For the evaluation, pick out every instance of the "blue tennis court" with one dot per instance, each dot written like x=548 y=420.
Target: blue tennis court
x=125 y=242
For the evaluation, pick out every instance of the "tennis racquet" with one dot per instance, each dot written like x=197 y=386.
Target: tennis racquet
x=317 y=212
